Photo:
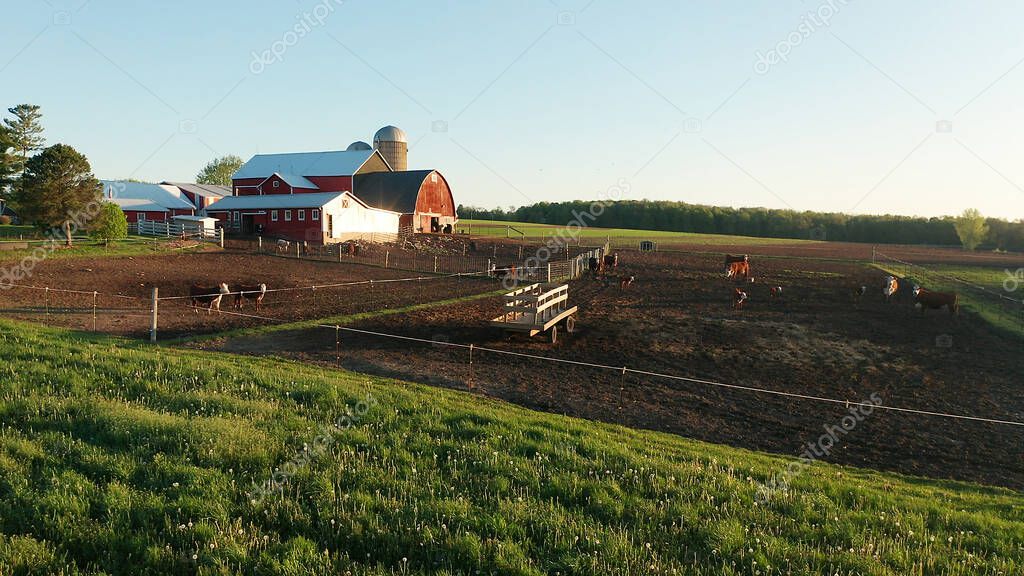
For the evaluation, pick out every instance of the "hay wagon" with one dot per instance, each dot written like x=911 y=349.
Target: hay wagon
x=538 y=308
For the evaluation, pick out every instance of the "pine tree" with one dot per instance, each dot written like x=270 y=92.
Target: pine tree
x=26 y=133
x=58 y=189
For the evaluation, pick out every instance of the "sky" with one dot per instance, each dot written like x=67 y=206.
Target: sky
x=858 y=106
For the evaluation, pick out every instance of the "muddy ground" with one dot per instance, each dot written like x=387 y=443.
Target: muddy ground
x=677 y=319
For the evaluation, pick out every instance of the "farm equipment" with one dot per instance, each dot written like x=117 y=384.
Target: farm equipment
x=537 y=308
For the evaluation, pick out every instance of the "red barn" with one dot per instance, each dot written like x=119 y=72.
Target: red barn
x=422 y=197
x=143 y=201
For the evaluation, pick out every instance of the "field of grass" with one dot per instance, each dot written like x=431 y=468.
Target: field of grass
x=131 y=246
x=121 y=458
x=532 y=231
x=1000 y=312
x=16 y=231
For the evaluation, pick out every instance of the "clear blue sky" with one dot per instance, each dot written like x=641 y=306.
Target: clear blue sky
x=553 y=99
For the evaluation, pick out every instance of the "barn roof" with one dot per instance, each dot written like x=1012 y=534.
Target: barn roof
x=334 y=163
x=144 y=196
x=204 y=190
x=394 y=191
x=305 y=200
x=294 y=180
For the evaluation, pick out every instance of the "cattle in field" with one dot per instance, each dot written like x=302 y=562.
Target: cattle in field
x=594 y=265
x=739 y=298
x=775 y=292
x=890 y=286
x=738 y=269
x=935 y=300
x=504 y=272
x=730 y=258
x=255 y=293
x=283 y=245
x=859 y=293
x=210 y=296
x=626 y=282
x=611 y=260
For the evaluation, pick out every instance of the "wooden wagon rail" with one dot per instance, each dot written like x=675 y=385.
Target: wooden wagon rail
x=538 y=308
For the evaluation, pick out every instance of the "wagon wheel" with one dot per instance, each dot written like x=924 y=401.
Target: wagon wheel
x=570 y=324
x=554 y=334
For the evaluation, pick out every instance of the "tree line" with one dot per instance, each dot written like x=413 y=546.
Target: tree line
x=971 y=229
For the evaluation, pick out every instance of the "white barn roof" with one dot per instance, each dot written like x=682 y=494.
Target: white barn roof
x=307 y=200
x=204 y=190
x=336 y=163
x=143 y=196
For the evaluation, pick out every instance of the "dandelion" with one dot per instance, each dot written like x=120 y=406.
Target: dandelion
x=175 y=484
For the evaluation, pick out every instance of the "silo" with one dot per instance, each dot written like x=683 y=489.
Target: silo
x=393 y=146
x=358 y=145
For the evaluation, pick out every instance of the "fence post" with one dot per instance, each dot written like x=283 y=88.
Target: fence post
x=221 y=240
x=94 y=293
x=435 y=264
x=152 y=323
x=488 y=270
x=297 y=248
x=259 y=243
x=387 y=256
x=549 y=272
x=46 y=300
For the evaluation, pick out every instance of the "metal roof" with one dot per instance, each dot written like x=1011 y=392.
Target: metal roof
x=389 y=134
x=304 y=200
x=333 y=163
x=204 y=190
x=394 y=191
x=133 y=194
x=296 y=181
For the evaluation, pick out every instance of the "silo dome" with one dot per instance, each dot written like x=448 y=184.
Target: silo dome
x=389 y=134
x=359 y=145
x=393 y=146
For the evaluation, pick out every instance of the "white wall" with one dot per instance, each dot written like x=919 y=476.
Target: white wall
x=357 y=220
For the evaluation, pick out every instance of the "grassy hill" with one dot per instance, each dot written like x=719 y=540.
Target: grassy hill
x=117 y=457
x=531 y=230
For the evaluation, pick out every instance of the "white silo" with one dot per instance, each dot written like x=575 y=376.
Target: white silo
x=358 y=145
x=393 y=146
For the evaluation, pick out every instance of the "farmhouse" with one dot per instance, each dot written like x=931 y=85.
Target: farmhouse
x=332 y=196
x=141 y=201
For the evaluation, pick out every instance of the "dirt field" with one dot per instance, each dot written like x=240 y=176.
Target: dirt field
x=125 y=291
x=677 y=319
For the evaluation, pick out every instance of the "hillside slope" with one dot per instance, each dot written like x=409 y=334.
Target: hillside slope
x=119 y=458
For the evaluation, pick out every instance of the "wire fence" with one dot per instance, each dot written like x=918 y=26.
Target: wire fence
x=1001 y=303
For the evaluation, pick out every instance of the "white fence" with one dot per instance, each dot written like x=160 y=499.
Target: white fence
x=175 y=230
x=574 y=267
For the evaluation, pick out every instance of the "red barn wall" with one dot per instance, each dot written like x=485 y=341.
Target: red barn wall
x=331 y=183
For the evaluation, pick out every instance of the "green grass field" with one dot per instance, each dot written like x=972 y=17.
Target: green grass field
x=121 y=458
x=997 y=311
x=532 y=231
x=84 y=248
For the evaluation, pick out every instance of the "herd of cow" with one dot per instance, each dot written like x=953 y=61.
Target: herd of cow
x=209 y=297
x=738 y=267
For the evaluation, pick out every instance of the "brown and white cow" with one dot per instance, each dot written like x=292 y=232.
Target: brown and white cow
x=611 y=260
x=255 y=293
x=890 y=286
x=626 y=282
x=775 y=292
x=210 y=296
x=738 y=269
x=927 y=299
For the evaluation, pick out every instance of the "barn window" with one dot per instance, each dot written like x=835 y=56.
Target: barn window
x=273 y=215
x=302 y=215
x=433 y=177
x=237 y=216
x=287 y=215
x=315 y=214
x=276 y=184
x=344 y=202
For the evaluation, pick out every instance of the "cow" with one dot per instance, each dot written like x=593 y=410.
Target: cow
x=927 y=299
x=739 y=298
x=775 y=292
x=611 y=260
x=626 y=282
x=507 y=271
x=594 y=265
x=858 y=293
x=283 y=245
x=255 y=292
x=737 y=269
x=211 y=296
x=889 y=287
x=729 y=258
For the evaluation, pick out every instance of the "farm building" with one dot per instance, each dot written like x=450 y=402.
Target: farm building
x=422 y=197
x=201 y=195
x=352 y=192
x=315 y=217
x=142 y=201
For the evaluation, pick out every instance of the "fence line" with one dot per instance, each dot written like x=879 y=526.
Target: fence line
x=954 y=278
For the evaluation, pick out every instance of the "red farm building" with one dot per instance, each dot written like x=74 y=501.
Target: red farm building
x=324 y=197
x=141 y=201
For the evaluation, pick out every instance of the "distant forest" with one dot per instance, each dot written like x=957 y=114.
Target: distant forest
x=760 y=222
